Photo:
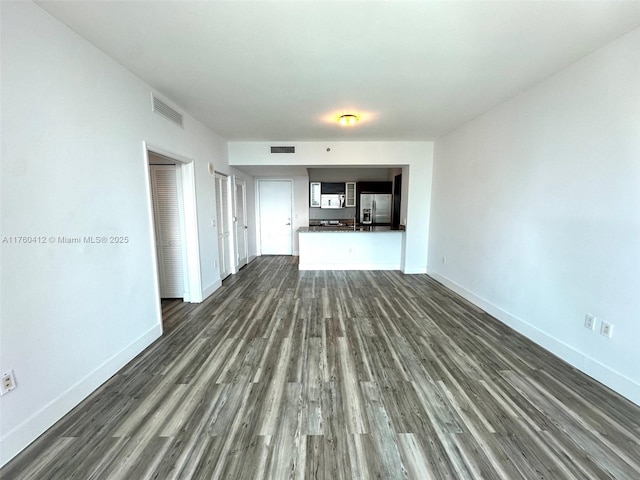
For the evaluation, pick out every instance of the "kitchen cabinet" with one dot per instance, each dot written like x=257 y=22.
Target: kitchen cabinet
x=374 y=187
x=314 y=194
x=350 y=194
x=332 y=188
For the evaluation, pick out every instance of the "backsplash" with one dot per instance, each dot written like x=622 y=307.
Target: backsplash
x=332 y=214
x=329 y=222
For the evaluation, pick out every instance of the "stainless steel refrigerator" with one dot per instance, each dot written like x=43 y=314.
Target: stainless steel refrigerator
x=375 y=208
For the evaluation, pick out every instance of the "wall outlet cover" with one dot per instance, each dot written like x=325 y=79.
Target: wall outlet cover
x=606 y=329
x=8 y=382
x=590 y=321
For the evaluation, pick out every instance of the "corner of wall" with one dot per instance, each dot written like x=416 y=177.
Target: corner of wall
x=26 y=432
x=598 y=371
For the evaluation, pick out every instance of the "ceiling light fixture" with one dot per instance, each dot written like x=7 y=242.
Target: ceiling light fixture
x=348 y=120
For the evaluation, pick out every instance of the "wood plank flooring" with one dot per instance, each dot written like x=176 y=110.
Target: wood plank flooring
x=334 y=375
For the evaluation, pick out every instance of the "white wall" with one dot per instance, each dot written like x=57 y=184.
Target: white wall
x=416 y=158
x=300 y=208
x=536 y=206
x=74 y=123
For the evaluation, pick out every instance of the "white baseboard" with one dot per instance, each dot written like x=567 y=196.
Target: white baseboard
x=207 y=292
x=414 y=269
x=349 y=266
x=210 y=290
x=618 y=382
x=17 y=439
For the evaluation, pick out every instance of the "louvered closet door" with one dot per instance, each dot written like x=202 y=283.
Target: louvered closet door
x=222 y=211
x=169 y=242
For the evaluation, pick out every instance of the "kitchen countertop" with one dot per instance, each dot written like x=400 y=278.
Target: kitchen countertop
x=359 y=228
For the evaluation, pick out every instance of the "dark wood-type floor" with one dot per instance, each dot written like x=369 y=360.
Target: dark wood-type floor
x=286 y=374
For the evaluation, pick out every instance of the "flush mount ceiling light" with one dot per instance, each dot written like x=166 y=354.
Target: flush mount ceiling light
x=348 y=120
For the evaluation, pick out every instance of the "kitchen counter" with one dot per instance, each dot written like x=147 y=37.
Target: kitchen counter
x=345 y=228
x=345 y=248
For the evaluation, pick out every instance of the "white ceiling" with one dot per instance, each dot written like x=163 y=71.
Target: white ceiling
x=274 y=70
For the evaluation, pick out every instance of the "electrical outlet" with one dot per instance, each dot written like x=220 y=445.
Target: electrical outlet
x=606 y=329
x=590 y=321
x=8 y=382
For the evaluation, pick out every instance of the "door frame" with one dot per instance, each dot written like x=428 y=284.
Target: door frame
x=236 y=262
x=258 y=213
x=192 y=274
x=230 y=242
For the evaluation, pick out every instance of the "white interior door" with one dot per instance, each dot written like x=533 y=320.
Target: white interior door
x=224 y=232
x=240 y=198
x=168 y=229
x=274 y=204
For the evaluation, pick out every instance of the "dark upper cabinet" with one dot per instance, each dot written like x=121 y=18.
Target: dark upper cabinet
x=374 y=187
x=332 y=187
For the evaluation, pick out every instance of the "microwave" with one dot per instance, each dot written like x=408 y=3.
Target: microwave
x=331 y=200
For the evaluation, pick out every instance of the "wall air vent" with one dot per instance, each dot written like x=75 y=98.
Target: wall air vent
x=283 y=149
x=166 y=111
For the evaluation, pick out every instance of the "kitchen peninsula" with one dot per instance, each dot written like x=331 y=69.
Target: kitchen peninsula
x=349 y=247
x=354 y=221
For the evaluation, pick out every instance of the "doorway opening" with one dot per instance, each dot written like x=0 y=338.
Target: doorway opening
x=172 y=217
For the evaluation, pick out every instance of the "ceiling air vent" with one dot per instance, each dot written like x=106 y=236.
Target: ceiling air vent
x=283 y=149
x=166 y=111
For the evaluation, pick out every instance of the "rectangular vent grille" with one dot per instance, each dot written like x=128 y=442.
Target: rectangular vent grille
x=283 y=149
x=166 y=111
